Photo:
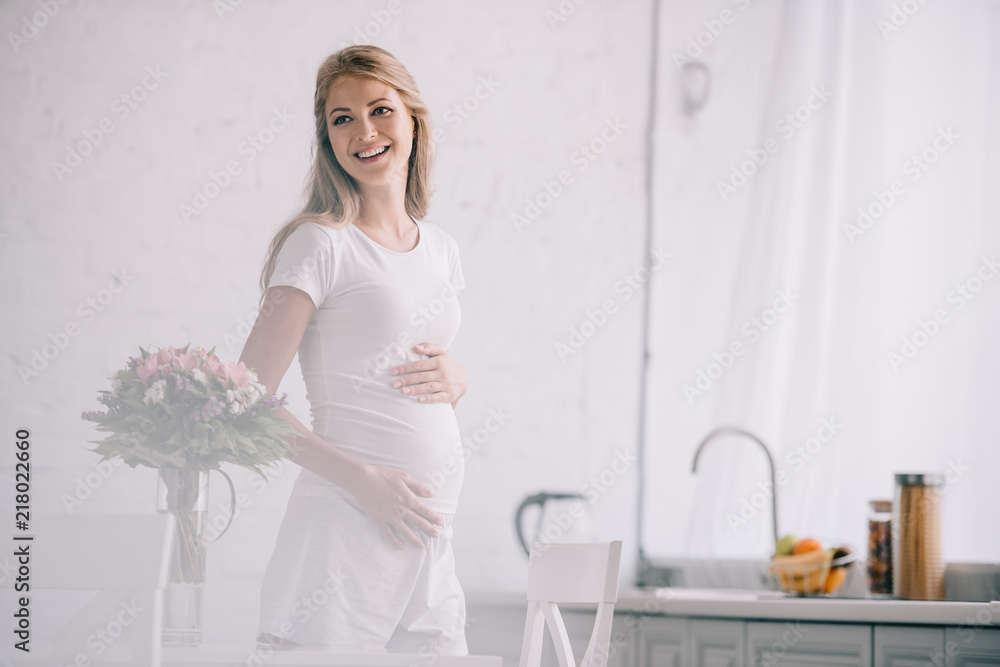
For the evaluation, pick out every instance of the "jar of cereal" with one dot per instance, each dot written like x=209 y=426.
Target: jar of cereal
x=880 y=547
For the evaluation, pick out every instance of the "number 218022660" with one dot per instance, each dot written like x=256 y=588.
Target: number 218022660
x=22 y=478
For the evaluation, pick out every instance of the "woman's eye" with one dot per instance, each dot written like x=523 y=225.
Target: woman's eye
x=336 y=121
x=378 y=109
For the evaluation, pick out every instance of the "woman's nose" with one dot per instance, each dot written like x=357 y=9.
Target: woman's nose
x=366 y=129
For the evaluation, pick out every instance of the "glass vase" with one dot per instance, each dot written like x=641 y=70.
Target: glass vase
x=184 y=492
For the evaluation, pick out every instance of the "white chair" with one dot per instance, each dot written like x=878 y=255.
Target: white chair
x=126 y=559
x=569 y=573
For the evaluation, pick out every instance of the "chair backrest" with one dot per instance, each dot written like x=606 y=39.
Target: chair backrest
x=570 y=573
x=125 y=558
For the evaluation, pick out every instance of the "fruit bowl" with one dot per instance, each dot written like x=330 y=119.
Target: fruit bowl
x=817 y=572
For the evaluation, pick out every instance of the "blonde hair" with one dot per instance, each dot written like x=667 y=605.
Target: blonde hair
x=332 y=195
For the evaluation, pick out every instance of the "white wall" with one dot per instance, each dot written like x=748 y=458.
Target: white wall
x=65 y=235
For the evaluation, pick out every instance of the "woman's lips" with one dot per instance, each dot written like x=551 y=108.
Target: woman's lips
x=374 y=158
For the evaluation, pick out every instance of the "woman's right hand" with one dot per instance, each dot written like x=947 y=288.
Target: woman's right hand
x=391 y=497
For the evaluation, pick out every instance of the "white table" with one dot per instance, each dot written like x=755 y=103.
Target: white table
x=209 y=655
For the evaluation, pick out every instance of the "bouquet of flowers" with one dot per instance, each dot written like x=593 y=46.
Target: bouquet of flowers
x=185 y=412
x=186 y=409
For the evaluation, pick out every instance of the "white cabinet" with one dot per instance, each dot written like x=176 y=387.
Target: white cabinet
x=798 y=644
x=909 y=646
x=972 y=645
x=713 y=643
x=662 y=642
x=678 y=642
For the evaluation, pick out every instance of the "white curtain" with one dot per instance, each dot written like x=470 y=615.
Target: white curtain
x=875 y=344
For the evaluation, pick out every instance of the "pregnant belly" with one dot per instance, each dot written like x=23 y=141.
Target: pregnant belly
x=381 y=426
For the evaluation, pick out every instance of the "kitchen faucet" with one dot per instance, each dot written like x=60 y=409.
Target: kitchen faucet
x=770 y=462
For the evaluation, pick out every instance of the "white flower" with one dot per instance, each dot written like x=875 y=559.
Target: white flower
x=199 y=376
x=155 y=393
x=255 y=392
x=242 y=399
x=116 y=385
x=232 y=402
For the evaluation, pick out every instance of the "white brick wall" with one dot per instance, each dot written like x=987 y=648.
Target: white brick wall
x=195 y=281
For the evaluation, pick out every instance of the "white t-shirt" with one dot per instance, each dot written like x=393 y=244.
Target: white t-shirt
x=373 y=305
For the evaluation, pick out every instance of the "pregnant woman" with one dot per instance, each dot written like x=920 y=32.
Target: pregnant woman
x=365 y=291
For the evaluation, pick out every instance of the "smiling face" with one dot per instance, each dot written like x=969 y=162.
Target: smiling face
x=371 y=130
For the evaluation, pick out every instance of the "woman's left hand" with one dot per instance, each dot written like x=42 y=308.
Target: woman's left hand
x=437 y=379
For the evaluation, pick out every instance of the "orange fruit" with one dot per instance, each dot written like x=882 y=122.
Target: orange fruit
x=806 y=545
x=835 y=579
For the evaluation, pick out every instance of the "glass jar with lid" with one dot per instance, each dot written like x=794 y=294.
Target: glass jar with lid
x=917 y=568
x=879 y=563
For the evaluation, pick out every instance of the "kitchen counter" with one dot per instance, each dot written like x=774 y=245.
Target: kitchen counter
x=767 y=605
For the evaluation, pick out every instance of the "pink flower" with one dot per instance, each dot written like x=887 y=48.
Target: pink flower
x=214 y=366
x=164 y=356
x=186 y=361
x=238 y=373
x=147 y=367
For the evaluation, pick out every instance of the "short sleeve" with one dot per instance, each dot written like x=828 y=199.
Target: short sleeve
x=457 y=277
x=305 y=261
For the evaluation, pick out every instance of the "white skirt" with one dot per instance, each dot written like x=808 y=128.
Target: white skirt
x=335 y=582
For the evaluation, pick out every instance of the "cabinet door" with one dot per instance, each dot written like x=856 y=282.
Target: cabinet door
x=662 y=642
x=716 y=643
x=972 y=646
x=798 y=644
x=909 y=646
